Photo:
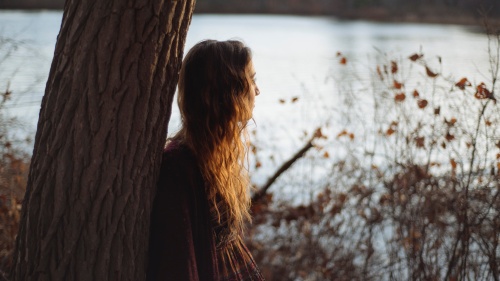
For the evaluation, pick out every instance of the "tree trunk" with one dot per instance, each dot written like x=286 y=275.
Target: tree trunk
x=100 y=135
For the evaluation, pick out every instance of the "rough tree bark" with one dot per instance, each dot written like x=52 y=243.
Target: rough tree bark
x=98 y=145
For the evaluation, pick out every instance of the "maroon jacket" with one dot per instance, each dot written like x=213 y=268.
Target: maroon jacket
x=182 y=244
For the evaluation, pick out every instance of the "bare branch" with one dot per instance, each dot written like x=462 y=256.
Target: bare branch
x=262 y=191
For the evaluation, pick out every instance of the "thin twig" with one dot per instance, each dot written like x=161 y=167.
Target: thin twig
x=263 y=190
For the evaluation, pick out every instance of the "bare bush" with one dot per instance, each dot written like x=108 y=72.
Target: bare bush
x=416 y=196
x=14 y=164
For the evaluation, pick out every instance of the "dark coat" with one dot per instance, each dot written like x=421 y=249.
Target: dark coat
x=182 y=245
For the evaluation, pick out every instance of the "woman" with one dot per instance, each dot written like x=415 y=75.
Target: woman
x=202 y=200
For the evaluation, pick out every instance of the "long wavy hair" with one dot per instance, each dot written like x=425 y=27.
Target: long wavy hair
x=213 y=99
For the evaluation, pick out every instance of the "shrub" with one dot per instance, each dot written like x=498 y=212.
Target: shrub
x=416 y=196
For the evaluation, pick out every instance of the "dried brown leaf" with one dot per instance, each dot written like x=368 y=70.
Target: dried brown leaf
x=453 y=164
x=420 y=142
x=397 y=85
x=463 y=83
x=400 y=97
x=430 y=73
x=437 y=110
x=415 y=57
x=422 y=103
x=482 y=92
x=394 y=67
x=449 y=137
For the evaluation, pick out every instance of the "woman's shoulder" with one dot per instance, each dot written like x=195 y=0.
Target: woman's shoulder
x=179 y=172
x=177 y=156
x=176 y=150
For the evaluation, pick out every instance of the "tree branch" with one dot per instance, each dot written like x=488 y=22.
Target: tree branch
x=262 y=191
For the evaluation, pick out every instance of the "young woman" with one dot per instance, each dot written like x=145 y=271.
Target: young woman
x=202 y=199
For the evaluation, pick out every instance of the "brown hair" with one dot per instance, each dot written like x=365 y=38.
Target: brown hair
x=213 y=102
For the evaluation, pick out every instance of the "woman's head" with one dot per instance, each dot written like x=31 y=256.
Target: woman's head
x=216 y=99
x=214 y=87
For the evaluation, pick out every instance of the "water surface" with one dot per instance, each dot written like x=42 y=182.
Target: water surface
x=295 y=58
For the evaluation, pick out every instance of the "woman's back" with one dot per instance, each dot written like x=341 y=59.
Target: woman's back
x=202 y=200
x=182 y=241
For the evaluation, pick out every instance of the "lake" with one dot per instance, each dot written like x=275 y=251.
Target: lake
x=296 y=58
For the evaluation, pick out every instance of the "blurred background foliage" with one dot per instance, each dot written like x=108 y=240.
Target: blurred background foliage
x=14 y=163
x=417 y=196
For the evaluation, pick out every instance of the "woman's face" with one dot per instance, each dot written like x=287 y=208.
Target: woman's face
x=254 y=90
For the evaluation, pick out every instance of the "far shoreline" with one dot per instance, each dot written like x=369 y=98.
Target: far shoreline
x=475 y=23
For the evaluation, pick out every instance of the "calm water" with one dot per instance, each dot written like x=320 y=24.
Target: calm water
x=295 y=57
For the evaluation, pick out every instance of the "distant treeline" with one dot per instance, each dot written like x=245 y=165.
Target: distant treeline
x=404 y=10
x=31 y=4
x=460 y=11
